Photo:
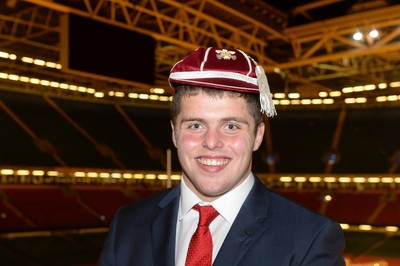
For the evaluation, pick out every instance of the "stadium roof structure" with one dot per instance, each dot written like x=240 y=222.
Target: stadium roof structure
x=307 y=47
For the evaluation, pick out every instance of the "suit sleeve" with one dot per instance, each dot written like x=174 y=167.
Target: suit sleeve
x=107 y=255
x=327 y=247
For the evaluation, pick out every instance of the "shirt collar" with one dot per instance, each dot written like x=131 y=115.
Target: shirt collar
x=227 y=205
x=187 y=201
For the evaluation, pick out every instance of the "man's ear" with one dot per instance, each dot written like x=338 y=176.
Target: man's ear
x=173 y=133
x=259 y=136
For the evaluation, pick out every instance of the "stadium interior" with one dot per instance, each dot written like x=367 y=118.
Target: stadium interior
x=84 y=114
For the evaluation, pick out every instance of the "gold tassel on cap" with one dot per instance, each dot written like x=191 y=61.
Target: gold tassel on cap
x=267 y=105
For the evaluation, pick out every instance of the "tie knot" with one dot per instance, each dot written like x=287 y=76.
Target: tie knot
x=207 y=214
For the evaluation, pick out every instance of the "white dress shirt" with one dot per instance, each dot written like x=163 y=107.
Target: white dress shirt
x=228 y=207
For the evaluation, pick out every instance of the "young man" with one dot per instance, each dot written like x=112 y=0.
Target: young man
x=220 y=214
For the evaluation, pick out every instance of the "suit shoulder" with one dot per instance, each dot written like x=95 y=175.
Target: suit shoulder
x=147 y=205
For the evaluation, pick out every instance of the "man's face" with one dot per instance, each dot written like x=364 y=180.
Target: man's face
x=215 y=140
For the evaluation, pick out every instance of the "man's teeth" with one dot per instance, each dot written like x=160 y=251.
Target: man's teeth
x=212 y=162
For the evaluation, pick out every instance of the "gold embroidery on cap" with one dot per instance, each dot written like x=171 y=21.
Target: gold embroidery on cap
x=225 y=54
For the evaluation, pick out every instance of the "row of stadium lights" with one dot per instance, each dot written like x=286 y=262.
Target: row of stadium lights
x=343 y=179
x=81 y=174
x=83 y=89
x=293 y=98
x=282 y=179
x=367 y=227
x=156 y=93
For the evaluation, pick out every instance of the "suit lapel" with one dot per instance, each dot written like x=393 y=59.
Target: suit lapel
x=164 y=228
x=250 y=223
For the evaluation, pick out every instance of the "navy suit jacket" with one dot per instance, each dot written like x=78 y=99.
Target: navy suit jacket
x=269 y=230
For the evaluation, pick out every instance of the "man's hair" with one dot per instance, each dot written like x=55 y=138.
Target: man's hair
x=181 y=91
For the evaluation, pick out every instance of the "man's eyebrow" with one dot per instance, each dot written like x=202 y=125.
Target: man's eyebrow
x=236 y=119
x=191 y=119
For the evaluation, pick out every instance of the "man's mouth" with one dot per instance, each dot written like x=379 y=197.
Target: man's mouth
x=212 y=162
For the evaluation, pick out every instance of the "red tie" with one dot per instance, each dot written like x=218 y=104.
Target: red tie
x=200 y=247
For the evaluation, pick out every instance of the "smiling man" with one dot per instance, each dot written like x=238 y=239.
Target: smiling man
x=220 y=213
x=215 y=136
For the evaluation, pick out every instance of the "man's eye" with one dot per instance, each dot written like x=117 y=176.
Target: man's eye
x=195 y=126
x=232 y=126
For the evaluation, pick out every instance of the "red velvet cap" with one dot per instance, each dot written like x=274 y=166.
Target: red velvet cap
x=225 y=69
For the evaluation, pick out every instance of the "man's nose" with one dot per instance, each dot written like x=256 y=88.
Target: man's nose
x=212 y=139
